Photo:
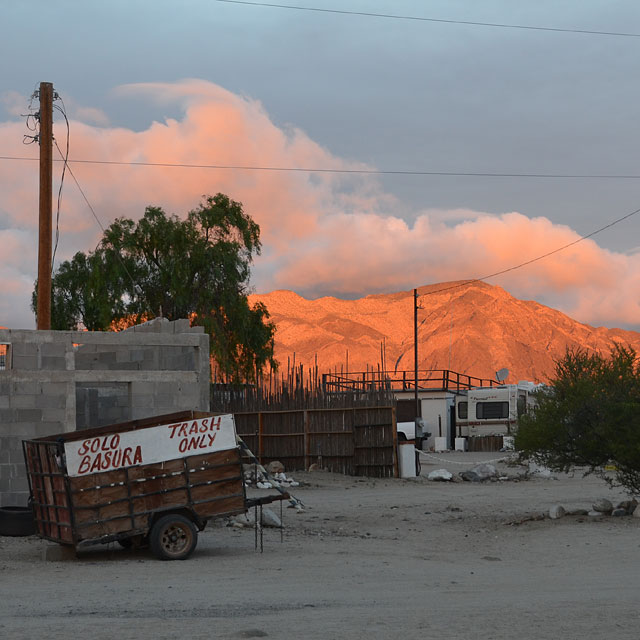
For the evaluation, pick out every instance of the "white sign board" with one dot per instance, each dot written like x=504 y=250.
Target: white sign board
x=150 y=445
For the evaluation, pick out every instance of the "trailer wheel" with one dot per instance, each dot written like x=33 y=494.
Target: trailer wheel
x=173 y=537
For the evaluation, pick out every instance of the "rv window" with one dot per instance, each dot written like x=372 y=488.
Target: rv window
x=463 y=411
x=492 y=410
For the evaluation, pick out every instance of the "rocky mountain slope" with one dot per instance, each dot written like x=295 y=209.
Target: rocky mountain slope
x=474 y=329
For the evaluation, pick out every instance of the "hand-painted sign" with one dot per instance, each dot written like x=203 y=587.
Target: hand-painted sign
x=150 y=445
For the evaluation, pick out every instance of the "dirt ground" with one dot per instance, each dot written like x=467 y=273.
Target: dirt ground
x=366 y=559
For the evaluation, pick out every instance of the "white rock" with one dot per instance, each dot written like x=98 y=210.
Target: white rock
x=595 y=514
x=441 y=475
x=557 y=511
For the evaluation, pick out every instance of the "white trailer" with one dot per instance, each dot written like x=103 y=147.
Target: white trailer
x=489 y=411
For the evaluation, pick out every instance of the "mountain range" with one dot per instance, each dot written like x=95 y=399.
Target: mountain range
x=472 y=328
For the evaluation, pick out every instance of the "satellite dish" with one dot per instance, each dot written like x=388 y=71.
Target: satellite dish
x=502 y=375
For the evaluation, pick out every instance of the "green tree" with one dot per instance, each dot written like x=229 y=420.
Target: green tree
x=196 y=268
x=588 y=417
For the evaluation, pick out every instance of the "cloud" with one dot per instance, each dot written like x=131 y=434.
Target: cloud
x=322 y=233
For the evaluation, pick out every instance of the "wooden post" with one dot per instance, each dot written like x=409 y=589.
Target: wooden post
x=307 y=444
x=45 y=224
x=394 y=426
x=415 y=350
x=260 y=451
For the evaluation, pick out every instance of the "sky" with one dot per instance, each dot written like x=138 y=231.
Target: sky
x=221 y=83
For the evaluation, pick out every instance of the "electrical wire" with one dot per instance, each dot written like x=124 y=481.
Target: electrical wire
x=136 y=286
x=387 y=172
x=498 y=25
x=536 y=259
x=62 y=110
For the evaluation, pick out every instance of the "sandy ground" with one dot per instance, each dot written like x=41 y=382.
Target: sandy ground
x=366 y=559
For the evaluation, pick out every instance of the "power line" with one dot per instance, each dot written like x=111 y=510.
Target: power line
x=62 y=110
x=136 y=287
x=391 y=172
x=436 y=20
x=536 y=259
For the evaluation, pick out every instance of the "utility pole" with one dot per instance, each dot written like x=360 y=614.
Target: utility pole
x=415 y=350
x=45 y=138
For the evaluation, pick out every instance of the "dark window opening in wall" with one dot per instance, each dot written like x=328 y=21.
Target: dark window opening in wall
x=4 y=357
x=463 y=410
x=492 y=410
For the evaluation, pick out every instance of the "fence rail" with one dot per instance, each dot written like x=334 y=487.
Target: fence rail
x=372 y=381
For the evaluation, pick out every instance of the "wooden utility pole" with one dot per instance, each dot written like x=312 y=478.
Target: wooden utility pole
x=45 y=138
x=415 y=350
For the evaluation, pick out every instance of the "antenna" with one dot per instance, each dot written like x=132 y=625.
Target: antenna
x=502 y=375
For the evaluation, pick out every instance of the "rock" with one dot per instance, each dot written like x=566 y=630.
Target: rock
x=485 y=471
x=539 y=470
x=628 y=505
x=440 y=475
x=636 y=512
x=596 y=514
x=619 y=512
x=314 y=467
x=603 y=506
x=270 y=519
x=557 y=511
x=470 y=476
x=275 y=466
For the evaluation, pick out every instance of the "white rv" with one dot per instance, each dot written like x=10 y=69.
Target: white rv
x=490 y=411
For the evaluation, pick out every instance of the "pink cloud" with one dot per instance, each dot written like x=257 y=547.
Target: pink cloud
x=322 y=233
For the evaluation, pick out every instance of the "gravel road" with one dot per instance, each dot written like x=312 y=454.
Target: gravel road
x=366 y=559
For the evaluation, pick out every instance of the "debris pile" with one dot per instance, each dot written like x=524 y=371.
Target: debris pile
x=261 y=478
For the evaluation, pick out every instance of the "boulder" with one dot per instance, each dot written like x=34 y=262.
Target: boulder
x=636 y=512
x=440 y=475
x=619 y=512
x=485 y=471
x=275 y=466
x=470 y=476
x=603 y=506
x=628 y=505
x=557 y=511
x=596 y=514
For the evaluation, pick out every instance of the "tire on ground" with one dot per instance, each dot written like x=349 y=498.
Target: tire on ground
x=17 y=521
x=173 y=537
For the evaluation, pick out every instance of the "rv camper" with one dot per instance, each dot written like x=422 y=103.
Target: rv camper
x=493 y=411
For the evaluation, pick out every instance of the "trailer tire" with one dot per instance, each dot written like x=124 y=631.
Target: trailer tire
x=173 y=537
x=17 y=521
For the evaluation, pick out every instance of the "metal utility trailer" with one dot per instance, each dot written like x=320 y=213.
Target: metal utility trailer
x=155 y=481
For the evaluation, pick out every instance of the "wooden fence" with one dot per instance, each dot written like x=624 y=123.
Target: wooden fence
x=359 y=441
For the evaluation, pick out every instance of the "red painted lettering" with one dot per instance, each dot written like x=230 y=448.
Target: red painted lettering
x=97 y=461
x=204 y=426
x=95 y=445
x=194 y=428
x=126 y=457
x=84 y=447
x=137 y=456
x=84 y=464
x=193 y=443
x=173 y=428
x=183 y=430
x=117 y=457
x=211 y=439
x=215 y=423
x=182 y=447
x=106 y=460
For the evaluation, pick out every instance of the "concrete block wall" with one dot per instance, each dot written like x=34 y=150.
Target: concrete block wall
x=58 y=381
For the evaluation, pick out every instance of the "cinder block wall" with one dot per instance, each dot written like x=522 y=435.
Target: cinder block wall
x=58 y=381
